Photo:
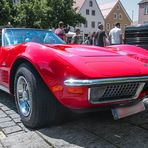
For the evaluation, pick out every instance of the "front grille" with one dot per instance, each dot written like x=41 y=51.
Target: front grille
x=114 y=92
x=145 y=87
x=121 y=90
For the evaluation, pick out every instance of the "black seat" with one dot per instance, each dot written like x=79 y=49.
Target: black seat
x=137 y=35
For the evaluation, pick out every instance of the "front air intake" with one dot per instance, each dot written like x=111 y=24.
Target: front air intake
x=115 y=92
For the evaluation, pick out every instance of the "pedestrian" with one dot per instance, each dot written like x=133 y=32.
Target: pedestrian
x=115 y=35
x=60 y=31
x=100 y=36
x=92 y=38
x=76 y=38
x=86 y=39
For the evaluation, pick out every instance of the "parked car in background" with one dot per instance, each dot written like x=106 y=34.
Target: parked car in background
x=49 y=77
x=137 y=35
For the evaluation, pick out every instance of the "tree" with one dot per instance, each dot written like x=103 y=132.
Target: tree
x=62 y=10
x=39 y=13
x=5 y=11
x=32 y=14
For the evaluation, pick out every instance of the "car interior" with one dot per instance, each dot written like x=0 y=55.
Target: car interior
x=19 y=36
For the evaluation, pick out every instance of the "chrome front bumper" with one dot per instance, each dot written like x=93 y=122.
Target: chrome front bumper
x=111 y=89
x=77 y=82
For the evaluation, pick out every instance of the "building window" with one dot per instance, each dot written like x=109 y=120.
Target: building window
x=146 y=9
x=93 y=24
x=120 y=16
x=108 y=26
x=113 y=25
x=87 y=11
x=118 y=7
x=93 y=12
x=90 y=3
x=86 y=25
x=115 y=16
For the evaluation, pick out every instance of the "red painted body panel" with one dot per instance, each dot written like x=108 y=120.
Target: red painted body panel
x=56 y=63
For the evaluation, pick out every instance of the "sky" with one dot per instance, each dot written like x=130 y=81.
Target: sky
x=131 y=6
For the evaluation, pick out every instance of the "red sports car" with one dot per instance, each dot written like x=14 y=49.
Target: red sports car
x=47 y=77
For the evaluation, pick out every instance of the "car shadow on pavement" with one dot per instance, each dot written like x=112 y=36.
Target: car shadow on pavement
x=99 y=130
x=7 y=102
x=75 y=132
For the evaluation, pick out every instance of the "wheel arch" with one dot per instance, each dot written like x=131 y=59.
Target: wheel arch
x=14 y=68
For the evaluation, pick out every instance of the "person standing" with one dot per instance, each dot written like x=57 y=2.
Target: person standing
x=92 y=38
x=115 y=35
x=76 y=39
x=60 y=31
x=100 y=36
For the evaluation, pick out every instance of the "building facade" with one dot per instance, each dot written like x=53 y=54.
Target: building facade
x=143 y=12
x=113 y=13
x=91 y=11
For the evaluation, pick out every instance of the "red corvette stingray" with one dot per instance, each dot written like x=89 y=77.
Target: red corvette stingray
x=47 y=77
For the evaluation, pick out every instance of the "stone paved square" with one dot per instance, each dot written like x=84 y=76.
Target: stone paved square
x=95 y=130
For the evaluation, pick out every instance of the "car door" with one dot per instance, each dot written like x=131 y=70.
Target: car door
x=0 y=50
x=4 y=70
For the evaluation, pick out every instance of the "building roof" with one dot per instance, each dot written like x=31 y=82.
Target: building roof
x=143 y=1
x=107 y=7
x=78 y=4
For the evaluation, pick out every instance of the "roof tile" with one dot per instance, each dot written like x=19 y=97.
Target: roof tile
x=78 y=4
x=107 y=7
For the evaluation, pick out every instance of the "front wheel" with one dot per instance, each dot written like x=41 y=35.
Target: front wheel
x=36 y=105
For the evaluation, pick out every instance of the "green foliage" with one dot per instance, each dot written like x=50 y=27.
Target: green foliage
x=5 y=11
x=39 y=13
x=32 y=14
x=62 y=10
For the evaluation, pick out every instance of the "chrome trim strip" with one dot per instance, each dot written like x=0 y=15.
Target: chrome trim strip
x=140 y=88
x=77 y=82
x=118 y=100
x=3 y=88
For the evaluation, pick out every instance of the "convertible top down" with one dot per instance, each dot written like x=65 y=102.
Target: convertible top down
x=49 y=77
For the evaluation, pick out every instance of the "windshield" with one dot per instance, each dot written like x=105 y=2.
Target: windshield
x=19 y=36
x=0 y=37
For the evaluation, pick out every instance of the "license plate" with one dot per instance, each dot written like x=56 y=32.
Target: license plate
x=122 y=112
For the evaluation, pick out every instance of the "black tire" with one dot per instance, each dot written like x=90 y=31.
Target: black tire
x=44 y=108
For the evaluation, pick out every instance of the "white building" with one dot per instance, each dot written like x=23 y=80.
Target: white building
x=91 y=11
x=143 y=12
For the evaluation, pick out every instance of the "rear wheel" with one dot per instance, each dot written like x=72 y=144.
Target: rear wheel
x=36 y=105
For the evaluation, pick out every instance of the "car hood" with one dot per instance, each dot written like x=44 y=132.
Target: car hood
x=97 y=62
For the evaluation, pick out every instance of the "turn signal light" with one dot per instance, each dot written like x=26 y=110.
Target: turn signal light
x=75 y=90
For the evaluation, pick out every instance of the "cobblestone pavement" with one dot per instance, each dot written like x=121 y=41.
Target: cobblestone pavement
x=97 y=130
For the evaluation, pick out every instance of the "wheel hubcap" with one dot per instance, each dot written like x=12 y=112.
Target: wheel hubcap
x=24 y=98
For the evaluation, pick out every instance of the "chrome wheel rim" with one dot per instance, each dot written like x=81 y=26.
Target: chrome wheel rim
x=24 y=98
